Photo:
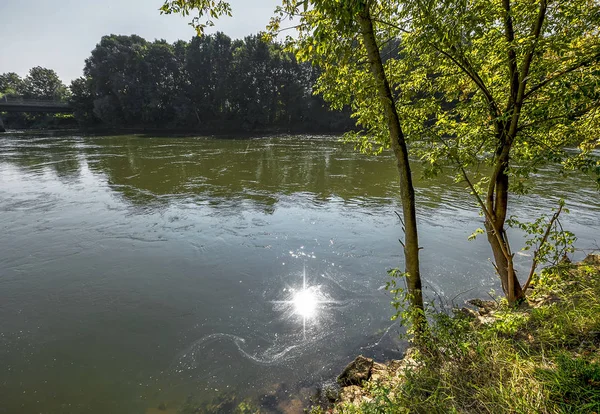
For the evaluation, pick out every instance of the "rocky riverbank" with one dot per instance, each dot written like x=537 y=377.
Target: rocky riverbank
x=543 y=356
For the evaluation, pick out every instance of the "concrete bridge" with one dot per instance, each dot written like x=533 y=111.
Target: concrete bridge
x=31 y=105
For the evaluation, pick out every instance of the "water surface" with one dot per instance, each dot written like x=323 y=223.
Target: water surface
x=140 y=272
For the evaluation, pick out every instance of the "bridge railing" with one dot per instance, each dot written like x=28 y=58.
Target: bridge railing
x=31 y=102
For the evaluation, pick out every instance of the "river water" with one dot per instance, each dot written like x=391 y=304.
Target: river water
x=151 y=275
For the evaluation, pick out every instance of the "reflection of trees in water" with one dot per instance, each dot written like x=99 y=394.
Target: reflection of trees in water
x=45 y=153
x=259 y=172
x=237 y=173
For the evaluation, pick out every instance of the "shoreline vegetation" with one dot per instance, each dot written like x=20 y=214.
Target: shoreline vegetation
x=205 y=85
x=542 y=356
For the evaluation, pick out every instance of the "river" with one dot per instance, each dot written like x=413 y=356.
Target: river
x=151 y=275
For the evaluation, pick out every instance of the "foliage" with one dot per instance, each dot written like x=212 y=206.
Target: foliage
x=10 y=84
x=550 y=242
x=43 y=84
x=504 y=86
x=211 y=83
x=212 y=8
x=539 y=358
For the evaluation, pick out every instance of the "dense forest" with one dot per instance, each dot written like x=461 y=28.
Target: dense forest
x=211 y=83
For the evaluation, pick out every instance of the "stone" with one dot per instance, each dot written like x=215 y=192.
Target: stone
x=485 y=306
x=379 y=372
x=294 y=406
x=352 y=394
x=466 y=312
x=356 y=372
x=331 y=391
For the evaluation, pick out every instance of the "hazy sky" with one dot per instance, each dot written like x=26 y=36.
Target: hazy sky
x=60 y=34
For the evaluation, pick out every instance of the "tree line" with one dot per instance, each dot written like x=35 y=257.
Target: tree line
x=211 y=83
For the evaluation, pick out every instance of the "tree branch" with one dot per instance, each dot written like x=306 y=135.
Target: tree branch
x=466 y=67
x=537 y=252
x=578 y=65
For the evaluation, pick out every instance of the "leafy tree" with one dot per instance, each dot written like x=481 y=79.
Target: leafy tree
x=208 y=64
x=44 y=84
x=10 y=84
x=506 y=84
x=212 y=83
x=82 y=100
x=114 y=70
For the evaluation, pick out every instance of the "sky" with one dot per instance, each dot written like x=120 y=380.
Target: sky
x=60 y=34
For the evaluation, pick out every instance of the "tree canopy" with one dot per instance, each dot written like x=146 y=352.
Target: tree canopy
x=210 y=83
x=40 y=83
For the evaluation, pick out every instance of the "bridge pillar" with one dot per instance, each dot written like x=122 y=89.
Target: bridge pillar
x=2 y=129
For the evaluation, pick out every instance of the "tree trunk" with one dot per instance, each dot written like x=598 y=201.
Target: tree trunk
x=407 y=192
x=504 y=267
x=2 y=129
x=497 y=205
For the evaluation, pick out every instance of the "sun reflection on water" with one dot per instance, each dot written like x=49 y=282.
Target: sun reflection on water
x=307 y=302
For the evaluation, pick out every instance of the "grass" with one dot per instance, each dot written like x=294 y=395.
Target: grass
x=543 y=357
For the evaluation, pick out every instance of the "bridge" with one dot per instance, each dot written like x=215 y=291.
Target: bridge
x=31 y=105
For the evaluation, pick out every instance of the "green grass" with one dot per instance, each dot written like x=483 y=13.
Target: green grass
x=543 y=357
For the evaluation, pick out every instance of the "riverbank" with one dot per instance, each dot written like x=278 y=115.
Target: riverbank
x=220 y=131
x=543 y=357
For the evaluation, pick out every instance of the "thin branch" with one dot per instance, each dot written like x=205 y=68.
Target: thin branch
x=570 y=113
x=403 y=229
x=568 y=70
x=503 y=246
x=466 y=67
x=391 y=25
x=537 y=251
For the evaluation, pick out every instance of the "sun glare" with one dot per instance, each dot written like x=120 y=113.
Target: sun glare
x=305 y=303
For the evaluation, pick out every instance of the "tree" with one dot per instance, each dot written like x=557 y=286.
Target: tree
x=341 y=37
x=114 y=69
x=10 y=84
x=44 y=84
x=210 y=83
x=506 y=84
x=208 y=65
x=82 y=100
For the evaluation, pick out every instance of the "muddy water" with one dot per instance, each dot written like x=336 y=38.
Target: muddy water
x=141 y=273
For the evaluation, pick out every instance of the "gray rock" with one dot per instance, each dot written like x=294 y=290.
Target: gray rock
x=356 y=372
x=485 y=306
x=331 y=391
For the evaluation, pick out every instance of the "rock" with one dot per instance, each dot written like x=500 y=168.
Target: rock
x=379 y=372
x=356 y=372
x=592 y=259
x=294 y=406
x=481 y=317
x=469 y=313
x=352 y=394
x=485 y=306
x=331 y=391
